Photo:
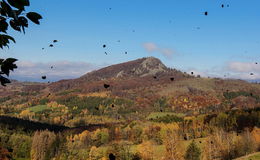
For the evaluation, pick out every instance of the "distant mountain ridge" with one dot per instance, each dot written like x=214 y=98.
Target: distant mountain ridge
x=136 y=70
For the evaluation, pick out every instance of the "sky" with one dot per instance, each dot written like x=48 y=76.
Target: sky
x=225 y=42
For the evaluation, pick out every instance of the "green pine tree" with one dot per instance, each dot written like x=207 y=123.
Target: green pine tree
x=193 y=152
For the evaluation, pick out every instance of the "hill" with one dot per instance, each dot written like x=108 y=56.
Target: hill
x=144 y=84
x=139 y=106
x=139 y=72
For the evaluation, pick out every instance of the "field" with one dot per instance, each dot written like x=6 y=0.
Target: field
x=162 y=114
x=254 y=156
x=38 y=108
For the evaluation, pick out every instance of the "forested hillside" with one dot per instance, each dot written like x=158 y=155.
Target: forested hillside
x=135 y=110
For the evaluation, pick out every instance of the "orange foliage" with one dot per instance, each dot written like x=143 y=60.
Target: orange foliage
x=194 y=101
x=256 y=134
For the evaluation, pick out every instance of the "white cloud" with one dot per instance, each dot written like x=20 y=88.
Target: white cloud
x=152 y=47
x=243 y=67
x=167 y=52
x=33 y=71
x=243 y=70
x=233 y=70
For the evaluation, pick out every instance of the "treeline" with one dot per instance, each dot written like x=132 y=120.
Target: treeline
x=231 y=95
x=94 y=104
x=12 y=123
x=119 y=142
x=232 y=121
x=236 y=120
x=167 y=119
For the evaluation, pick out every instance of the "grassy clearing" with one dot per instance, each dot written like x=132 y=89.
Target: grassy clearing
x=254 y=156
x=162 y=114
x=38 y=108
x=181 y=87
x=159 y=150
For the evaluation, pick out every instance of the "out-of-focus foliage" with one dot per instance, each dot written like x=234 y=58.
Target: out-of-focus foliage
x=13 y=15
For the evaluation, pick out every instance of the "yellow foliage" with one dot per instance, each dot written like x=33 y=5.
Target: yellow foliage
x=94 y=154
x=95 y=94
x=56 y=120
x=174 y=147
x=52 y=104
x=165 y=128
x=25 y=113
x=84 y=135
x=146 y=150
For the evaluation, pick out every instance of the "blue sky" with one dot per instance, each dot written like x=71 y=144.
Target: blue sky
x=227 y=36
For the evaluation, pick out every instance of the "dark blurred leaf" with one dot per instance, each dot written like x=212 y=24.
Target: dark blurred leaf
x=19 y=4
x=15 y=25
x=34 y=17
x=3 y=25
x=8 y=65
x=23 y=22
x=6 y=10
x=4 y=80
x=4 y=40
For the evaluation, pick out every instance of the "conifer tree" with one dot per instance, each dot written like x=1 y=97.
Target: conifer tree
x=193 y=152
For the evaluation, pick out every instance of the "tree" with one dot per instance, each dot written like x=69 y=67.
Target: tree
x=121 y=150
x=248 y=142
x=43 y=145
x=12 y=13
x=222 y=145
x=193 y=152
x=21 y=145
x=173 y=145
